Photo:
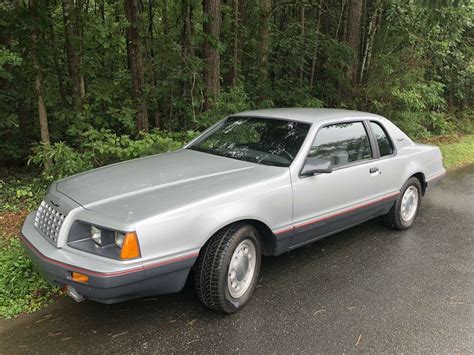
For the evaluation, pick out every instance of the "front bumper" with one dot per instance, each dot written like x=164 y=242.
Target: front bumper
x=108 y=283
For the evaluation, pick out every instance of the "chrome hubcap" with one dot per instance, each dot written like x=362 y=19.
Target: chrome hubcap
x=409 y=204
x=241 y=268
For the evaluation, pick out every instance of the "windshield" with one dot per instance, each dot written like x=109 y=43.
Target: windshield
x=260 y=140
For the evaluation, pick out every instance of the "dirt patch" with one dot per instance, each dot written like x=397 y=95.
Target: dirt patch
x=10 y=223
x=446 y=139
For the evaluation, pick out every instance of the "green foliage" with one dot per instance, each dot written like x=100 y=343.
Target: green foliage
x=59 y=160
x=101 y=147
x=417 y=57
x=106 y=147
x=458 y=153
x=22 y=288
x=21 y=193
x=465 y=122
x=420 y=72
x=8 y=58
x=232 y=101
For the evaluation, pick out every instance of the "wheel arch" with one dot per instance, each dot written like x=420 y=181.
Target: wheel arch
x=415 y=169
x=266 y=235
x=421 y=177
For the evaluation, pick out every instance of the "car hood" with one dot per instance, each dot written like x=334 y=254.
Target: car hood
x=161 y=182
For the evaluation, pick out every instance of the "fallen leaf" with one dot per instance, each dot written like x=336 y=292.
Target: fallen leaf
x=119 y=334
x=53 y=334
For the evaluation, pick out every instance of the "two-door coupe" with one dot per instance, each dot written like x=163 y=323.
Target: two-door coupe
x=257 y=183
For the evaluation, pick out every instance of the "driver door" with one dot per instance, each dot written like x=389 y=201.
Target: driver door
x=329 y=202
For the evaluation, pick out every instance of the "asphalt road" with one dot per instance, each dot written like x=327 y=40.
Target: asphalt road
x=368 y=289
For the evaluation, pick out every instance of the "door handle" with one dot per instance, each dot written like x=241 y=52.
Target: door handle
x=373 y=170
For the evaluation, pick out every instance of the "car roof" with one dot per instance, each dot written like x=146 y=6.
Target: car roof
x=310 y=115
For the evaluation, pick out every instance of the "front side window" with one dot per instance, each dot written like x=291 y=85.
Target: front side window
x=385 y=146
x=260 y=140
x=342 y=144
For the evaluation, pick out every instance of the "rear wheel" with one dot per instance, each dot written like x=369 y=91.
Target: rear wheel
x=227 y=268
x=403 y=213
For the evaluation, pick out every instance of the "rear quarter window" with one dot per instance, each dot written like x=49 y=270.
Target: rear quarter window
x=384 y=143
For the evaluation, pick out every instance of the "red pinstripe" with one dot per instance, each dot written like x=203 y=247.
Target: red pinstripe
x=338 y=213
x=103 y=274
x=441 y=174
x=170 y=261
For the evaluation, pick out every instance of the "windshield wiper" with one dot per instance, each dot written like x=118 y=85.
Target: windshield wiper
x=272 y=163
x=238 y=157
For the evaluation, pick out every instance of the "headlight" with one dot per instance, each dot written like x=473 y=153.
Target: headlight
x=119 y=238
x=96 y=235
x=105 y=242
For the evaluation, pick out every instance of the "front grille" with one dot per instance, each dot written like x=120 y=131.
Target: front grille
x=48 y=221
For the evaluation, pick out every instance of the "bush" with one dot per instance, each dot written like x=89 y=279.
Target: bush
x=21 y=193
x=102 y=147
x=465 y=121
x=106 y=147
x=59 y=160
x=229 y=102
x=22 y=288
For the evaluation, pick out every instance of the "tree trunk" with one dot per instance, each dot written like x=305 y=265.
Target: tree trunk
x=73 y=42
x=353 y=36
x=58 y=68
x=316 y=47
x=263 y=44
x=39 y=81
x=164 y=17
x=342 y=22
x=157 y=119
x=80 y=13
x=239 y=13
x=187 y=34
x=373 y=25
x=155 y=105
x=212 y=71
x=135 y=61
x=187 y=50
x=102 y=10
x=303 y=42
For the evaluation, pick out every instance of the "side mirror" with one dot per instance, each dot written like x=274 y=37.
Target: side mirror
x=316 y=166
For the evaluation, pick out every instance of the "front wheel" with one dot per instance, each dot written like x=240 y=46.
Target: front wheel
x=227 y=268
x=403 y=213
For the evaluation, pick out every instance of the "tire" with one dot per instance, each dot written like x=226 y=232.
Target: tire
x=214 y=272
x=400 y=217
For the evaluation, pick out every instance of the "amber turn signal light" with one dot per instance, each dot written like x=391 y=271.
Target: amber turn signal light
x=75 y=276
x=130 y=248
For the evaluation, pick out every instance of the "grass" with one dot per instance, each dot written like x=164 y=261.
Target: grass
x=457 y=150
x=24 y=290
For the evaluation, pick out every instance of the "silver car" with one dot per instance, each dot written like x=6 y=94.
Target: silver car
x=257 y=183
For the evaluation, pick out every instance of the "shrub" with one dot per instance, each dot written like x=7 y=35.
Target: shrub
x=22 y=288
x=101 y=147
x=19 y=194
x=59 y=160
x=232 y=101
x=106 y=147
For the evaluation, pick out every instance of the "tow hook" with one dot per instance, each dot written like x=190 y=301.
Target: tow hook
x=72 y=292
